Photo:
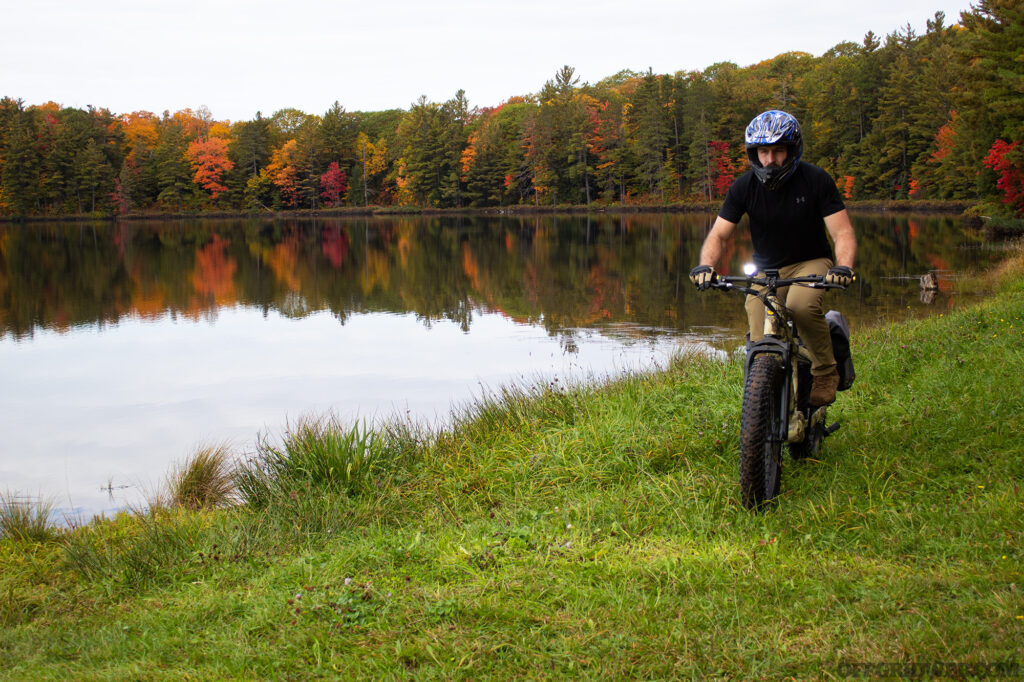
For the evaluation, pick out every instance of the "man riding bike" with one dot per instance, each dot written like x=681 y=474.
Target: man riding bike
x=791 y=204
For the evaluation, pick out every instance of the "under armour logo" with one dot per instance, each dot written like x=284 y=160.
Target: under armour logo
x=801 y=200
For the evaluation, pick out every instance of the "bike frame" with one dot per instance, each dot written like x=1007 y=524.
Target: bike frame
x=780 y=339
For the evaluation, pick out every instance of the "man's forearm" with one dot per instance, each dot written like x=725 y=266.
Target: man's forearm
x=846 y=250
x=712 y=250
x=716 y=242
x=843 y=237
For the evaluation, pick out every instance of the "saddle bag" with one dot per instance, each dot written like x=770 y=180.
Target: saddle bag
x=839 y=329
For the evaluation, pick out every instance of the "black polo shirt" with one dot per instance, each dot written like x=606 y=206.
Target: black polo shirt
x=786 y=224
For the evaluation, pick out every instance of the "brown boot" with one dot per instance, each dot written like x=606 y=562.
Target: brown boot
x=823 y=389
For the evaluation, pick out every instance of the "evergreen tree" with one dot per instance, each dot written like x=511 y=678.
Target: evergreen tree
x=697 y=112
x=19 y=162
x=336 y=140
x=173 y=174
x=250 y=149
x=943 y=85
x=648 y=123
x=423 y=157
x=831 y=126
x=455 y=116
x=92 y=173
x=996 y=30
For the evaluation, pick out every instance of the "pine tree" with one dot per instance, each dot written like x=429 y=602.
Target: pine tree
x=996 y=29
x=423 y=155
x=19 y=161
x=91 y=173
x=174 y=177
x=649 y=133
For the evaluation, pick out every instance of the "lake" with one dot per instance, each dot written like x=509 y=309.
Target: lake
x=125 y=346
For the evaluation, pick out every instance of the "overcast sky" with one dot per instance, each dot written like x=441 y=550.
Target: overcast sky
x=239 y=57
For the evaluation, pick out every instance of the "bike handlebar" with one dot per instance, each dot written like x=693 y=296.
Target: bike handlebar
x=730 y=281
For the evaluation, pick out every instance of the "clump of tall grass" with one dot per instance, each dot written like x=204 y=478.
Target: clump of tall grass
x=204 y=480
x=318 y=455
x=514 y=407
x=152 y=546
x=26 y=519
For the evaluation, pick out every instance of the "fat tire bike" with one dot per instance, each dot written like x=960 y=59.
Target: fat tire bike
x=776 y=391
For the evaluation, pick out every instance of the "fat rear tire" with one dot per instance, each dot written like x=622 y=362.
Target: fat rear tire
x=760 y=448
x=810 y=446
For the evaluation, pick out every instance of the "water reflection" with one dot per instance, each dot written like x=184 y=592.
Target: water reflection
x=559 y=272
x=113 y=408
x=123 y=346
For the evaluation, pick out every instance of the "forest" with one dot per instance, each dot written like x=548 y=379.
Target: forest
x=932 y=116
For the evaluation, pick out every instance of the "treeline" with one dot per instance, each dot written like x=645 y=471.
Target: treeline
x=932 y=116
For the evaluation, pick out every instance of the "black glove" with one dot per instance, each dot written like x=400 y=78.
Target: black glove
x=839 y=274
x=703 y=276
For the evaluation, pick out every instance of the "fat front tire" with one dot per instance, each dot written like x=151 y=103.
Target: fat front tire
x=760 y=447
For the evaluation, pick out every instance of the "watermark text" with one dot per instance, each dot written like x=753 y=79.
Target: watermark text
x=953 y=669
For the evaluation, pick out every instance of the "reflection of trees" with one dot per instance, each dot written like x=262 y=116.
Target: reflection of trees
x=893 y=252
x=56 y=276
x=214 y=272
x=562 y=272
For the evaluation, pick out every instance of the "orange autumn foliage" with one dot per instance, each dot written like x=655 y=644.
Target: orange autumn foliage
x=214 y=274
x=209 y=159
x=283 y=260
x=140 y=126
x=283 y=171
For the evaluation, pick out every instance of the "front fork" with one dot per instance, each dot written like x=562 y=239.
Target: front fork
x=792 y=422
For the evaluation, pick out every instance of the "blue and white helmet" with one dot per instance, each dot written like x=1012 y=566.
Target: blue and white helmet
x=774 y=127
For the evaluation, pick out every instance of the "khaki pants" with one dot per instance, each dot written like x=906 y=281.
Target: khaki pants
x=804 y=303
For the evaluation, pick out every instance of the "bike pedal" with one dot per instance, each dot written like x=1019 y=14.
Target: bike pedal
x=832 y=429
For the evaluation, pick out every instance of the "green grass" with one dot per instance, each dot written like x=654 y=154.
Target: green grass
x=26 y=519
x=204 y=480
x=318 y=456
x=589 y=531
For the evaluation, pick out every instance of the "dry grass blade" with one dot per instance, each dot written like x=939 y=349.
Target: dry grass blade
x=204 y=480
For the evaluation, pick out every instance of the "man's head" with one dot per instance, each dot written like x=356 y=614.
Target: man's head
x=774 y=146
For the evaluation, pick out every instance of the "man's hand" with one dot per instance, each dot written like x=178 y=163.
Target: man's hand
x=702 y=276
x=839 y=274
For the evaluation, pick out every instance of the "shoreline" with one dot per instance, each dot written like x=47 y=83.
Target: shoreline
x=518 y=210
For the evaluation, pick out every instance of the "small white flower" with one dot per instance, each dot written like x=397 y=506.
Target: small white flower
x=348 y=580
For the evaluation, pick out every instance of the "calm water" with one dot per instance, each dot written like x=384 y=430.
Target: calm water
x=124 y=347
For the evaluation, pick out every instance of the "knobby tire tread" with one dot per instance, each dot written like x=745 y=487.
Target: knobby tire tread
x=761 y=395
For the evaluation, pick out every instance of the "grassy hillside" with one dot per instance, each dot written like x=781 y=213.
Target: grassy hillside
x=585 y=531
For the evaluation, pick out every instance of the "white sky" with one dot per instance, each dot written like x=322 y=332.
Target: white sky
x=239 y=57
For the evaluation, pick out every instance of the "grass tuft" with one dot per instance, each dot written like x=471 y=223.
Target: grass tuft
x=26 y=519
x=205 y=480
x=318 y=454
x=153 y=546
